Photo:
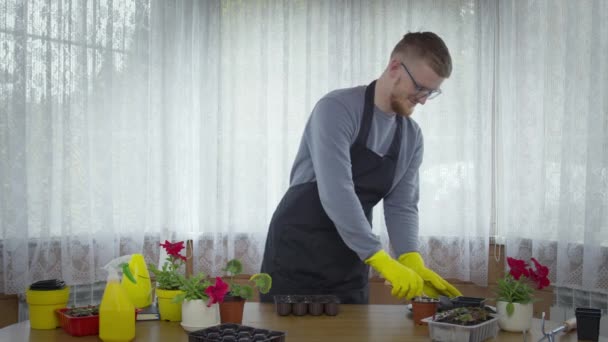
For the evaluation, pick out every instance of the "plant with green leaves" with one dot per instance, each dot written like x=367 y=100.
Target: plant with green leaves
x=168 y=277
x=463 y=316
x=261 y=281
x=515 y=288
x=82 y=311
x=193 y=288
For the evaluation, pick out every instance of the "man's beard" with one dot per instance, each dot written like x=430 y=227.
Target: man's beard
x=400 y=107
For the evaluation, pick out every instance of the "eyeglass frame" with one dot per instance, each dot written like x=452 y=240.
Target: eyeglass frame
x=420 y=91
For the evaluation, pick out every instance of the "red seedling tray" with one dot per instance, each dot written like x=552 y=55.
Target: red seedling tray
x=78 y=326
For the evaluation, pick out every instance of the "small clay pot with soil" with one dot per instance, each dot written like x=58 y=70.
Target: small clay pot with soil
x=423 y=307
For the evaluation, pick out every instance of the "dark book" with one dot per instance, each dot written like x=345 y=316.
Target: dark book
x=149 y=313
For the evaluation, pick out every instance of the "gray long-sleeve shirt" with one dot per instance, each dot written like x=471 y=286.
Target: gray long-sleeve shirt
x=324 y=157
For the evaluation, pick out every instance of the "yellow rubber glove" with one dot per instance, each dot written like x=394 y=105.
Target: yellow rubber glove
x=434 y=285
x=406 y=283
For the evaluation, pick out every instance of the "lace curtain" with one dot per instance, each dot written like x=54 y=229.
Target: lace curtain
x=553 y=120
x=124 y=123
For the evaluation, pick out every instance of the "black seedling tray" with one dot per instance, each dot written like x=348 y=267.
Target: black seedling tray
x=300 y=305
x=446 y=303
x=462 y=301
x=47 y=285
x=235 y=333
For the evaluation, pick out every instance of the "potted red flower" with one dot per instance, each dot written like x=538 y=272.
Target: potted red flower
x=168 y=281
x=233 y=303
x=230 y=296
x=197 y=298
x=79 y=321
x=515 y=294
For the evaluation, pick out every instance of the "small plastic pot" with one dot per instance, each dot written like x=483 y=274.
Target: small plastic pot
x=283 y=309
x=331 y=309
x=588 y=323
x=315 y=309
x=299 y=309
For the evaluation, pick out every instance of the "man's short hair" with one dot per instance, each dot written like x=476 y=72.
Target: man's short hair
x=429 y=47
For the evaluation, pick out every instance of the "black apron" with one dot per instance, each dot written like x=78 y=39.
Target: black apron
x=304 y=253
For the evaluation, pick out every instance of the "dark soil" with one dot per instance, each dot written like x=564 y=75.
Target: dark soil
x=464 y=316
x=85 y=311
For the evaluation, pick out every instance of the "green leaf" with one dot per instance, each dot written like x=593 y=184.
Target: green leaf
x=514 y=291
x=234 y=266
x=510 y=309
x=179 y=298
x=194 y=287
x=263 y=281
x=246 y=292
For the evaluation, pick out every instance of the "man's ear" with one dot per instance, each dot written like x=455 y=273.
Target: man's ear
x=394 y=65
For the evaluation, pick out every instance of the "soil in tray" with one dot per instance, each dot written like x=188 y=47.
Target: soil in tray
x=464 y=316
x=83 y=311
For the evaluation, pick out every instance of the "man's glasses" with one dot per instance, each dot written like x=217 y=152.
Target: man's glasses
x=422 y=92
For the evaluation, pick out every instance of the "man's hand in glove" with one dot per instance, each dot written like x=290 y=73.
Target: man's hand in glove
x=434 y=285
x=406 y=283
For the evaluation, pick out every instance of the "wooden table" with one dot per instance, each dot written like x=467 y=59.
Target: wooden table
x=354 y=323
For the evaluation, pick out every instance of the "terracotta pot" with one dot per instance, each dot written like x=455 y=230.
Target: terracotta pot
x=519 y=321
x=231 y=310
x=423 y=309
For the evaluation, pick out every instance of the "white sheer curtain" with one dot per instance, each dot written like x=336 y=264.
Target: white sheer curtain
x=123 y=123
x=78 y=141
x=553 y=120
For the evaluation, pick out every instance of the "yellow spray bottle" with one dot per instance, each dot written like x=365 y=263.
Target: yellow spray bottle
x=139 y=292
x=116 y=312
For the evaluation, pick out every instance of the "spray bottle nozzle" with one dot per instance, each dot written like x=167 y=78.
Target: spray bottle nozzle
x=120 y=263
x=127 y=272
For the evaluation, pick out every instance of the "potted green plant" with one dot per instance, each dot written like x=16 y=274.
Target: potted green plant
x=515 y=293
x=168 y=281
x=232 y=305
x=82 y=311
x=197 y=299
x=79 y=321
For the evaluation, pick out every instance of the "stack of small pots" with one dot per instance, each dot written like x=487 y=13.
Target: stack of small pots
x=300 y=305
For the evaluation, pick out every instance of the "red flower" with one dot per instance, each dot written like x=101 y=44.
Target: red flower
x=520 y=282
x=216 y=293
x=540 y=275
x=173 y=249
x=518 y=268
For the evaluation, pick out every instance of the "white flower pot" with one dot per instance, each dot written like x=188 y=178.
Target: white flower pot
x=196 y=315
x=519 y=321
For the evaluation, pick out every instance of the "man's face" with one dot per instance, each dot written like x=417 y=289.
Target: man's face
x=411 y=88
